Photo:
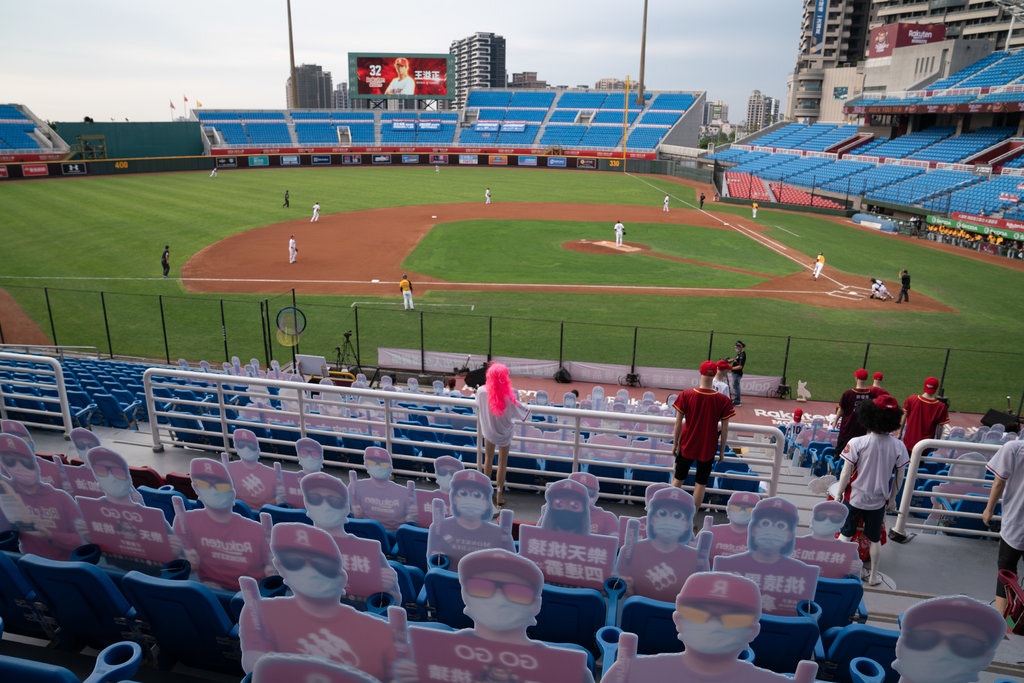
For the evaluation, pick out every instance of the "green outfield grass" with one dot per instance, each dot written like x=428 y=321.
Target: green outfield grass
x=80 y=237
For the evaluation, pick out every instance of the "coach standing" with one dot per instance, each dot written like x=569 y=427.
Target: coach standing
x=405 y=286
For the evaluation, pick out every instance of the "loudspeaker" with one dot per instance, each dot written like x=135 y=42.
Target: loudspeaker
x=993 y=417
x=563 y=376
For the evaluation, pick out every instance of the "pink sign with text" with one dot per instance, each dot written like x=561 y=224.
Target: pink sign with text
x=584 y=560
x=130 y=531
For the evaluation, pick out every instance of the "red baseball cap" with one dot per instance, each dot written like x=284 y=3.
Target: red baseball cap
x=722 y=588
x=879 y=376
x=797 y=414
x=861 y=374
x=931 y=384
x=709 y=368
x=724 y=365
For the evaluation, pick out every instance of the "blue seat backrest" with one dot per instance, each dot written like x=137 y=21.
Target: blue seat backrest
x=840 y=601
x=83 y=598
x=861 y=640
x=783 y=642
x=651 y=621
x=570 y=615
x=188 y=621
x=19 y=608
x=411 y=546
x=444 y=598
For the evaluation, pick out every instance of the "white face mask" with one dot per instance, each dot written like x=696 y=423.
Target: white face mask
x=310 y=463
x=740 y=517
x=937 y=665
x=499 y=614
x=216 y=500
x=669 y=529
x=378 y=471
x=472 y=508
x=24 y=476
x=327 y=517
x=312 y=584
x=711 y=638
x=248 y=454
x=444 y=482
x=825 y=527
x=114 y=487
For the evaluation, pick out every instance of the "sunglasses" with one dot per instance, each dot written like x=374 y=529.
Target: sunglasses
x=740 y=508
x=697 y=615
x=335 y=501
x=218 y=486
x=292 y=561
x=516 y=593
x=115 y=471
x=926 y=639
x=11 y=460
x=835 y=517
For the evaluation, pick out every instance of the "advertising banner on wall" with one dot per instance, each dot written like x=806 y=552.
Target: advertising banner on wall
x=387 y=75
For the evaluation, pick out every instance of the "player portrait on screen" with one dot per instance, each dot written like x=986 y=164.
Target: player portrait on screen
x=402 y=83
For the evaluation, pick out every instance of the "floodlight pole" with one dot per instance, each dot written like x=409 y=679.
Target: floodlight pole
x=293 y=86
x=643 y=54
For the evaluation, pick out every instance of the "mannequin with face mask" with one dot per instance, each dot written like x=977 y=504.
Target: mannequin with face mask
x=48 y=521
x=783 y=581
x=716 y=617
x=601 y=521
x=566 y=508
x=312 y=620
x=834 y=557
x=947 y=640
x=469 y=526
x=502 y=594
x=325 y=499
x=378 y=497
x=255 y=484
x=220 y=544
x=445 y=468
x=310 y=455
x=112 y=475
x=731 y=538
x=657 y=566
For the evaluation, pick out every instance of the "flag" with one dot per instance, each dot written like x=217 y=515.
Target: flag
x=185 y=97
x=172 y=104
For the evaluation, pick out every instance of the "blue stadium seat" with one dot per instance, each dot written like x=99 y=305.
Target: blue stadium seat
x=783 y=642
x=188 y=622
x=21 y=609
x=87 y=605
x=844 y=645
x=651 y=621
x=115 y=663
x=841 y=602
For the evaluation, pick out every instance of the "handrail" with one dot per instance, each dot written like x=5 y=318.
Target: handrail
x=226 y=402
x=53 y=370
x=914 y=474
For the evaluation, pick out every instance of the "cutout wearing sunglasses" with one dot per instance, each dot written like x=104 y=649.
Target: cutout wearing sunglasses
x=10 y=461
x=335 y=501
x=110 y=470
x=293 y=561
x=960 y=645
x=699 y=615
x=218 y=486
x=516 y=593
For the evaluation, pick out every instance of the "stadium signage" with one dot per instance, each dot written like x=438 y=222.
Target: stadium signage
x=3 y=172
x=320 y=160
x=410 y=158
x=467 y=160
x=818 y=25
x=526 y=161
x=497 y=160
x=381 y=159
x=290 y=160
x=73 y=168
x=438 y=159
x=35 y=170
x=259 y=160
x=556 y=162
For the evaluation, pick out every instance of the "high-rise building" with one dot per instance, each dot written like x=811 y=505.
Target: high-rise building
x=715 y=112
x=611 y=84
x=314 y=89
x=762 y=111
x=341 y=97
x=834 y=36
x=479 y=63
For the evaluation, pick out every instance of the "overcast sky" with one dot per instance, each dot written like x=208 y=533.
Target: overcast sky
x=66 y=59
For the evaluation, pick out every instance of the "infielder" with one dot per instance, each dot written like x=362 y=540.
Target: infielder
x=819 y=264
x=316 y=212
x=620 y=230
x=664 y=206
x=293 y=251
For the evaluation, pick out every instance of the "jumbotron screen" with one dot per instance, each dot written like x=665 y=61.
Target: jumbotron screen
x=379 y=75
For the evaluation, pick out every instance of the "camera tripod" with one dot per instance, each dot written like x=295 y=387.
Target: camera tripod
x=347 y=356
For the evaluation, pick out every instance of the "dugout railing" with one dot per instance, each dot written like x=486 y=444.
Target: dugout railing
x=200 y=411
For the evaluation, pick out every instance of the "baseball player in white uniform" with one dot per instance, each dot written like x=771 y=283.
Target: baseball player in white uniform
x=293 y=251
x=316 y=212
x=620 y=230
x=487 y=196
x=664 y=206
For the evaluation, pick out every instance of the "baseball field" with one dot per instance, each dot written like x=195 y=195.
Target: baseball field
x=534 y=274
